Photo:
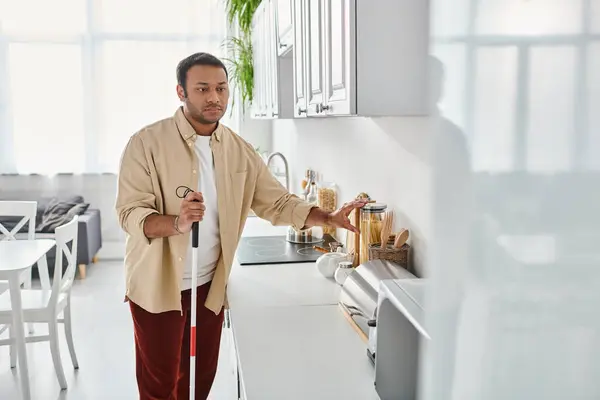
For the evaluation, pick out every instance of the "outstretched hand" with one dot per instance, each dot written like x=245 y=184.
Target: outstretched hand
x=339 y=218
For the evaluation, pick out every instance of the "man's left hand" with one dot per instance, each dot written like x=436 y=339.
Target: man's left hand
x=339 y=218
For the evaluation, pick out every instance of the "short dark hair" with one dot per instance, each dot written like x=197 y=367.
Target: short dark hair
x=196 y=59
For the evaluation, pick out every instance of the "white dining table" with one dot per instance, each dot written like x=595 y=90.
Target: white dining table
x=16 y=257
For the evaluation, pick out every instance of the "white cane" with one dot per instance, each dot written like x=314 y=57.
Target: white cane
x=193 y=317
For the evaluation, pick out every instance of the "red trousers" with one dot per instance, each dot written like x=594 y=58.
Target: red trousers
x=162 y=347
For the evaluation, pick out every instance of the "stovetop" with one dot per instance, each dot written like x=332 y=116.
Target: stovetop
x=277 y=250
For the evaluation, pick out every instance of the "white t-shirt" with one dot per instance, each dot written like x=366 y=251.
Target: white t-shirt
x=209 y=241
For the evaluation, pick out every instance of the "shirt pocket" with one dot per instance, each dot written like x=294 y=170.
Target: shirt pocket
x=238 y=188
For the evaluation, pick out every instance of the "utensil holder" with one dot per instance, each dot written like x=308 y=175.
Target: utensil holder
x=390 y=253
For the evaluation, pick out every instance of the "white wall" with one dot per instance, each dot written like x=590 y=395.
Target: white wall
x=385 y=157
x=257 y=132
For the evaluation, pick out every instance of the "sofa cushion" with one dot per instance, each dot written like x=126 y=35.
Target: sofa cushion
x=60 y=212
x=49 y=209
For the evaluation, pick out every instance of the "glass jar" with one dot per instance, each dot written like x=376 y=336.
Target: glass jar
x=371 y=222
x=312 y=196
x=327 y=201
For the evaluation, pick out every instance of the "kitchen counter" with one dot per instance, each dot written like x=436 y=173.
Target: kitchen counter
x=292 y=340
x=280 y=285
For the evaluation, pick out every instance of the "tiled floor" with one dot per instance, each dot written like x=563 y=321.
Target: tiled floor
x=104 y=344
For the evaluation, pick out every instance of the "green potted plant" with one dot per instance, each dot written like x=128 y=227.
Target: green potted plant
x=240 y=61
x=241 y=12
x=241 y=68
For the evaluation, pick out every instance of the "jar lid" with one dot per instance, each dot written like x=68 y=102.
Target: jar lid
x=374 y=207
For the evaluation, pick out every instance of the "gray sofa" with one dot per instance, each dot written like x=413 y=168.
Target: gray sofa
x=89 y=236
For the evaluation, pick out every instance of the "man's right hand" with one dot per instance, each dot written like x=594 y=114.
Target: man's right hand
x=192 y=210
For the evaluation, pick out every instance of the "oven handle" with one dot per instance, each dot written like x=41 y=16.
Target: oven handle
x=354 y=311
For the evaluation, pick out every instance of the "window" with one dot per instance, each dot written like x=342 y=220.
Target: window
x=531 y=17
x=550 y=131
x=523 y=52
x=592 y=144
x=53 y=18
x=47 y=103
x=495 y=115
x=79 y=77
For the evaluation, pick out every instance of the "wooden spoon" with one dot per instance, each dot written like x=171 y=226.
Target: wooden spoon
x=386 y=229
x=401 y=238
x=321 y=249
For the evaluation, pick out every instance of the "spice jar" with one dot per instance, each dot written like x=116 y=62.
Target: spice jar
x=327 y=201
x=371 y=221
x=343 y=271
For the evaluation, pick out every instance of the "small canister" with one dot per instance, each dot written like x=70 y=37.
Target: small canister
x=342 y=272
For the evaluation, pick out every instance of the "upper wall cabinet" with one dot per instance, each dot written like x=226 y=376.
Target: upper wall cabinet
x=366 y=58
x=273 y=85
x=284 y=26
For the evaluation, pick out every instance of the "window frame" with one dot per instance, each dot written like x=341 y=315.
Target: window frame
x=525 y=44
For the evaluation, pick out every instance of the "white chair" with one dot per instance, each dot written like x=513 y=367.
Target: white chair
x=43 y=306
x=27 y=210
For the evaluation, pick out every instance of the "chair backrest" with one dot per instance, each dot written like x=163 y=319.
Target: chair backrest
x=64 y=235
x=27 y=210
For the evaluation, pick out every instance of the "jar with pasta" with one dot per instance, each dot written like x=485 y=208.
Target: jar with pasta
x=327 y=201
x=371 y=222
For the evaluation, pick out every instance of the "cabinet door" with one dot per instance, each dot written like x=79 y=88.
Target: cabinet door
x=256 y=45
x=300 y=86
x=265 y=60
x=340 y=96
x=284 y=25
x=314 y=56
x=273 y=78
x=260 y=54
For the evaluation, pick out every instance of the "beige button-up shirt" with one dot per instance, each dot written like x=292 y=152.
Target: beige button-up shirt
x=156 y=161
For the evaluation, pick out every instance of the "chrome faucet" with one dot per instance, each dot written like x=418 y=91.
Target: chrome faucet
x=285 y=163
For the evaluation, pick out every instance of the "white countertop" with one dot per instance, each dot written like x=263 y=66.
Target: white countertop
x=280 y=285
x=305 y=352
x=292 y=339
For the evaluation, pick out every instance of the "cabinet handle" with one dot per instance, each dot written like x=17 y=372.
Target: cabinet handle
x=301 y=111
x=319 y=108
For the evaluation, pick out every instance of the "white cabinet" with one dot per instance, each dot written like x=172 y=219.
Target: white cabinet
x=365 y=58
x=284 y=26
x=273 y=84
x=260 y=48
x=339 y=90
x=299 y=53
x=314 y=55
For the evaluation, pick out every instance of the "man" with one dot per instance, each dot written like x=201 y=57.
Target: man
x=227 y=179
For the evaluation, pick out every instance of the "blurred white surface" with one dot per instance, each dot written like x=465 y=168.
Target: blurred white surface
x=514 y=258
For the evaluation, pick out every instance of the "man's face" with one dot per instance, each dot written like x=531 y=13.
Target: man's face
x=207 y=93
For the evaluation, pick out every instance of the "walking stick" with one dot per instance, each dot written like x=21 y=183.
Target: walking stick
x=194 y=296
x=193 y=318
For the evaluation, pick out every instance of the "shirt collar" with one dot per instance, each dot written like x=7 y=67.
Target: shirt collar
x=187 y=130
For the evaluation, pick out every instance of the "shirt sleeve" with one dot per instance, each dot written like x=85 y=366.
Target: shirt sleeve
x=274 y=203
x=135 y=196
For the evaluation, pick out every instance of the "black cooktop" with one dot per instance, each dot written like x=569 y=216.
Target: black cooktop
x=277 y=250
